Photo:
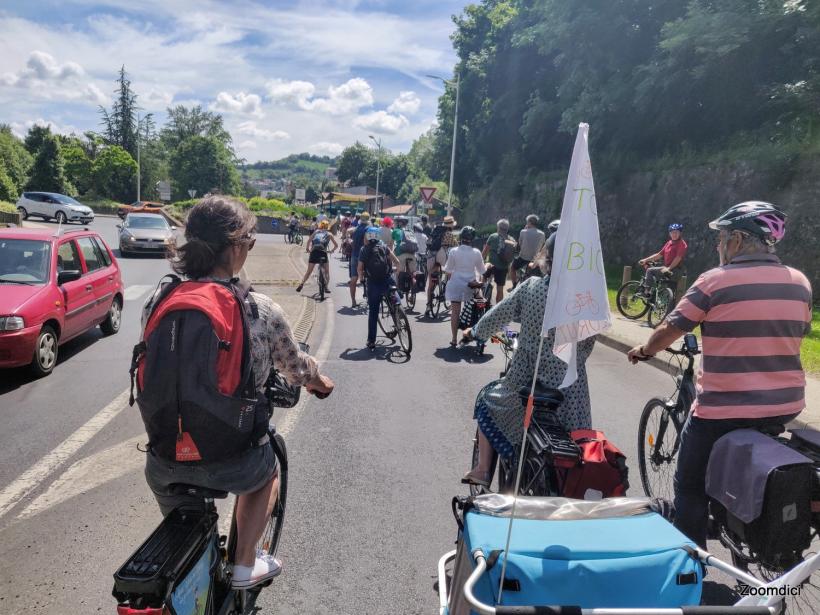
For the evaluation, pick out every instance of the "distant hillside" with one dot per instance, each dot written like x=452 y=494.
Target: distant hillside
x=305 y=166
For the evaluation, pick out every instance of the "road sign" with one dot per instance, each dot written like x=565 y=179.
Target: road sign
x=192 y=193
x=164 y=189
x=300 y=194
x=427 y=193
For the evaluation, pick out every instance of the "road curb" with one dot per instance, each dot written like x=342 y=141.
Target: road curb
x=624 y=347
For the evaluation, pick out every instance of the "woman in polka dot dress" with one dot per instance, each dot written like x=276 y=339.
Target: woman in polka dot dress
x=498 y=410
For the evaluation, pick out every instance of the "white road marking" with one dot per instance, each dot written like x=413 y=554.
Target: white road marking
x=37 y=473
x=136 y=291
x=121 y=459
x=88 y=473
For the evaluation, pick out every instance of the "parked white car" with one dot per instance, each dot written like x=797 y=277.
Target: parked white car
x=53 y=206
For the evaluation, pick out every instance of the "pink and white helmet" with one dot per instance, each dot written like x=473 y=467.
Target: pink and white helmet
x=758 y=218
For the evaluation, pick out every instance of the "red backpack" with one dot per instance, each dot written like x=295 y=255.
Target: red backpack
x=602 y=467
x=196 y=389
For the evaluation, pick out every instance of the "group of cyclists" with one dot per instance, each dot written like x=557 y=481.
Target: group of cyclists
x=753 y=312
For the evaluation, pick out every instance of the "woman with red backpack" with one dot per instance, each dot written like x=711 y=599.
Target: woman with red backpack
x=206 y=451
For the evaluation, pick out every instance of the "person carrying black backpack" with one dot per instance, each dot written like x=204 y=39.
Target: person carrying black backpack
x=207 y=347
x=379 y=262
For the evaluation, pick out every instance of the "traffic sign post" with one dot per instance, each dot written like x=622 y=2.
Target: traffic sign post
x=192 y=193
x=427 y=193
x=164 y=189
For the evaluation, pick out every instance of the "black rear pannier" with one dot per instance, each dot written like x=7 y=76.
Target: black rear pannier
x=765 y=489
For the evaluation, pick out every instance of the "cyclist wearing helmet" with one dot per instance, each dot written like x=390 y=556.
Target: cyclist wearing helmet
x=464 y=265
x=552 y=227
x=317 y=248
x=671 y=254
x=530 y=240
x=753 y=312
x=379 y=261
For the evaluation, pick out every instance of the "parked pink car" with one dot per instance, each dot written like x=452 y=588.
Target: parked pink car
x=54 y=286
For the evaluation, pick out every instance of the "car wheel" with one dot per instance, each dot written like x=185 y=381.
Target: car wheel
x=123 y=253
x=45 y=352
x=61 y=218
x=112 y=322
x=23 y=213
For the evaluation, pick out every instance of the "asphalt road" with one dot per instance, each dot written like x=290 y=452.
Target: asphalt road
x=372 y=469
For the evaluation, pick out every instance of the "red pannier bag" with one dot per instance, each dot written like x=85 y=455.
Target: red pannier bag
x=601 y=470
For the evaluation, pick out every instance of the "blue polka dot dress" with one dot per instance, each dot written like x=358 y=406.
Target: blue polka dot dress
x=499 y=410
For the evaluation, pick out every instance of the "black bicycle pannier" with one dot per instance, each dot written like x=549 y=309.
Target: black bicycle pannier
x=765 y=488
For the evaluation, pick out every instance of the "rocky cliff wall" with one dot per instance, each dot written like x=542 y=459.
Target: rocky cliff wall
x=635 y=211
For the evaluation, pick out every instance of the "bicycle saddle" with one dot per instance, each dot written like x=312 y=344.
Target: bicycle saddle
x=543 y=396
x=197 y=492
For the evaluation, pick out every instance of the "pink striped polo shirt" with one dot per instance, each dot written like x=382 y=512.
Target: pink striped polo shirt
x=753 y=315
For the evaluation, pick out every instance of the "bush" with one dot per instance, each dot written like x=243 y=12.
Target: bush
x=268 y=207
x=7 y=207
x=101 y=206
x=8 y=191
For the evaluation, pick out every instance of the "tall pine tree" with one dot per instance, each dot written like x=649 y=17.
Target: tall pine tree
x=120 y=124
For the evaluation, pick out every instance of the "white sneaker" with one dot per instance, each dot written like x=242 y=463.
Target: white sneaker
x=265 y=568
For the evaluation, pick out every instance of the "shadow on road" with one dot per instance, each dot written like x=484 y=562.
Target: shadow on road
x=462 y=354
x=353 y=311
x=717 y=594
x=17 y=377
x=382 y=352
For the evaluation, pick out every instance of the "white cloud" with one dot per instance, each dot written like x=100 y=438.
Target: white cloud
x=21 y=128
x=344 y=99
x=44 y=77
x=242 y=103
x=290 y=92
x=252 y=130
x=247 y=145
x=381 y=122
x=407 y=102
x=324 y=148
x=156 y=99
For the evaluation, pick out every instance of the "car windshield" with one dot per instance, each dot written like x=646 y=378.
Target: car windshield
x=24 y=261
x=66 y=199
x=146 y=222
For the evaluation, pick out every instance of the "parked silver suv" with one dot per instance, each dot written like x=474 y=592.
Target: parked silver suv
x=53 y=206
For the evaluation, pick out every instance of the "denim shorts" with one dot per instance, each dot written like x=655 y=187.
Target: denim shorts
x=246 y=473
x=354 y=266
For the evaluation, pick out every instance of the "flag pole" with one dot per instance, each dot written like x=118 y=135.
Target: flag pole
x=527 y=419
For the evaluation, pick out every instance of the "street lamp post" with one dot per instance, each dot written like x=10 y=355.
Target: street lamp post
x=455 y=132
x=378 y=170
x=138 y=157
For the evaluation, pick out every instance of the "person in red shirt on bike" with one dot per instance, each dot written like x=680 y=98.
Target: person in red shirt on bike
x=672 y=254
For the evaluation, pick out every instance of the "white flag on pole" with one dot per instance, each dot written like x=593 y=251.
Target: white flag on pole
x=577 y=303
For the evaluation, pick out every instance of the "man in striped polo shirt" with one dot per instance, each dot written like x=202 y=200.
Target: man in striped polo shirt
x=753 y=312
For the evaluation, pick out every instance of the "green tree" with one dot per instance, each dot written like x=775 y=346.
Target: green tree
x=115 y=174
x=14 y=158
x=36 y=136
x=204 y=164
x=48 y=172
x=8 y=191
x=184 y=123
x=120 y=125
x=354 y=162
x=78 y=166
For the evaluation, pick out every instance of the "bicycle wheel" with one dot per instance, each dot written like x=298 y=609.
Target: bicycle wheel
x=402 y=328
x=322 y=283
x=629 y=303
x=663 y=304
x=273 y=530
x=385 y=319
x=410 y=298
x=804 y=603
x=657 y=449
x=298 y=238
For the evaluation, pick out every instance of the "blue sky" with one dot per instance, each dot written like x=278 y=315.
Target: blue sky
x=288 y=77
